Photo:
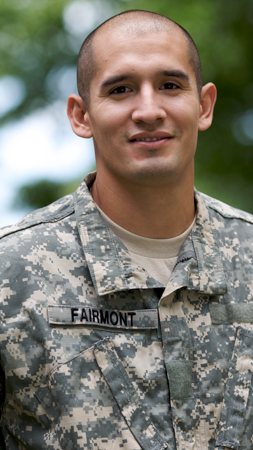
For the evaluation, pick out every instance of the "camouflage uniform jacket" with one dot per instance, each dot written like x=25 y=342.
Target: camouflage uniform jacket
x=95 y=355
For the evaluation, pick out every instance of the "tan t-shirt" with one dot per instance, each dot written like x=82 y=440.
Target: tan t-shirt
x=157 y=256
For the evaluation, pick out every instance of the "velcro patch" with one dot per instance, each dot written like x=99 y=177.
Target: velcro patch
x=103 y=317
x=232 y=312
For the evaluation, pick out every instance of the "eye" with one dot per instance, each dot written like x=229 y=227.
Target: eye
x=169 y=87
x=120 y=90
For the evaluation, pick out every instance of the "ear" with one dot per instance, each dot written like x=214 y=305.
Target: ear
x=78 y=116
x=207 y=102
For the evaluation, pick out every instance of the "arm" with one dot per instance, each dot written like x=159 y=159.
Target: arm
x=2 y=445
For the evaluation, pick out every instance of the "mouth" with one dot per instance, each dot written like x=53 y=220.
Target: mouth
x=148 y=139
x=157 y=136
x=150 y=142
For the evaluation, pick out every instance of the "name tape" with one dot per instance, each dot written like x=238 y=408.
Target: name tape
x=78 y=315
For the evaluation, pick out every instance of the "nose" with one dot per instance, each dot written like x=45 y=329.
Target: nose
x=148 y=107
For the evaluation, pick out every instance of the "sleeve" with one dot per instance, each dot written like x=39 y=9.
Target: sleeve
x=2 y=445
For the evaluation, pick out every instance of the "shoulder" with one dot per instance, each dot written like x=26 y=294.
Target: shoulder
x=222 y=211
x=52 y=213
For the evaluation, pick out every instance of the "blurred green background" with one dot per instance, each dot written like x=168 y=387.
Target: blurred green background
x=39 y=43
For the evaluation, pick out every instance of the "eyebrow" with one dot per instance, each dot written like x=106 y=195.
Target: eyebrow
x=116 y=79
x=175 y=74
x=168 y=73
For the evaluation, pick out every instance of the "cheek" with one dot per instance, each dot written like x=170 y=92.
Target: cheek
x=189 y=125
x=101 y=130
x=185 y=113
x=108 y=123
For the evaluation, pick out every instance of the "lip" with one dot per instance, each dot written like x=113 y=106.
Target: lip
x=161 y=137
x=154 y=135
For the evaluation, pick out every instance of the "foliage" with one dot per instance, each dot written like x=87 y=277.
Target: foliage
x=32 y=43
x=35 y=44
x=43 y=192
x=38 y=46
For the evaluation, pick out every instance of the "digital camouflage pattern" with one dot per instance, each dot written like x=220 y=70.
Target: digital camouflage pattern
x=97 y=355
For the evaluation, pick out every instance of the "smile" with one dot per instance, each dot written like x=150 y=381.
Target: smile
x=148 y=139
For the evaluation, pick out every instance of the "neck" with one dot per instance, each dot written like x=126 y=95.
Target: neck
x=157 y=212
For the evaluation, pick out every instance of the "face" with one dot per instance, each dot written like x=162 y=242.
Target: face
x=144 y=108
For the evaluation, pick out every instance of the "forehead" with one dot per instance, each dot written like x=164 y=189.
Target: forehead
x=133 y=50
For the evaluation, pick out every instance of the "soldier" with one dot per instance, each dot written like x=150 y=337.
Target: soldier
x=126 y=307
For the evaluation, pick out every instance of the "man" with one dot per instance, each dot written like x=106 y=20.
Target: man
x=126 y=308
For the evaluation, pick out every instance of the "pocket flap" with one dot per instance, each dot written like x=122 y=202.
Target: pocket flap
x=127 y=398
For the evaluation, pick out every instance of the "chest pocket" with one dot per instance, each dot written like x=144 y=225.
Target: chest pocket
x=93 y=404
x=236 y=425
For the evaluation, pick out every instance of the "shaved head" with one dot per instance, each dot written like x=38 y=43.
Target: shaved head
x=140 y=23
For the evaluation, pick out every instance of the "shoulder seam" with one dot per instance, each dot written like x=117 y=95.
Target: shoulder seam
x=38 y=222
x=224 y=210
x=243 y=215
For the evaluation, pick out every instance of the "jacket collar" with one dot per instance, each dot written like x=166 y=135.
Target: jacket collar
x=108 y=260
x=110 y=265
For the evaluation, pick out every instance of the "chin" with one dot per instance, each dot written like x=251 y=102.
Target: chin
x=153 y=175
